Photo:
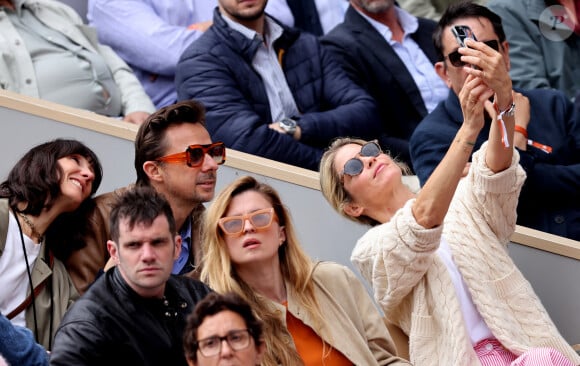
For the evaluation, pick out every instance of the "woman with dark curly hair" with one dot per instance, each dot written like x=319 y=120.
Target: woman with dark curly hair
x=51 y=179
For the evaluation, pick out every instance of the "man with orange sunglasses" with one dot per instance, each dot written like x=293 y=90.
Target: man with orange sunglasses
x=175 y=155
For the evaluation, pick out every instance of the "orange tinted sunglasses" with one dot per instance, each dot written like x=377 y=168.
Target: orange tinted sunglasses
x=195 y=154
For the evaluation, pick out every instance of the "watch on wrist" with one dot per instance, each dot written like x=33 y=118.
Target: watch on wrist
x=508 y=112
x=511 y=111
x=288 y=125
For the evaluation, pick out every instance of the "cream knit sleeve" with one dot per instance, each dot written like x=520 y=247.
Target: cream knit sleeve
x=393 y=257
x=492 y=198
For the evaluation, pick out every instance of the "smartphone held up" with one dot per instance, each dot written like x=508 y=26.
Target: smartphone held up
x=461 y=33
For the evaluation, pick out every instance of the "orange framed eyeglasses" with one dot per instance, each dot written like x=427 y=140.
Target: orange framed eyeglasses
x=260 y=219
x=195 y=154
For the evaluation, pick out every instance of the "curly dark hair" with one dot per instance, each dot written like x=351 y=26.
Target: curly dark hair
x=212 y=304
x=35 y=179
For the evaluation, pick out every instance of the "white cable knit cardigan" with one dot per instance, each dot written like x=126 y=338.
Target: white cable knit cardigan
x=412 y=284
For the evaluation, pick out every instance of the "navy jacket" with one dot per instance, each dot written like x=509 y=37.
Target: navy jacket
x=112 y=325
x=217 y=71
x=550 y=198
x=306 y=16
x=373 y=64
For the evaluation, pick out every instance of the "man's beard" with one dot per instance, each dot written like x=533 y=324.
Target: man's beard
x=376 y=7
x=241 y=17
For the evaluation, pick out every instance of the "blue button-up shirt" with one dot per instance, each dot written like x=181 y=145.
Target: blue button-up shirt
x=182 y=263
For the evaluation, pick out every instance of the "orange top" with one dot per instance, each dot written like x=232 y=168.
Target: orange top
x=310 y=346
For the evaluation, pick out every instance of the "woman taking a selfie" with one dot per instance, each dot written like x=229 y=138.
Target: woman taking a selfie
x=437 y=260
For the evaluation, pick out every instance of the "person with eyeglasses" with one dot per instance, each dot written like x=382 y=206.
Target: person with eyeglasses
x=437 y=259
x=136 y=312
x=175 y=155
x=547 y=124
x=314 y=313
x=223 y=330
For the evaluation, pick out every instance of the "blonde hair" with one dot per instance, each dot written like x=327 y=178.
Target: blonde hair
x=331 y=183
x=296 y=267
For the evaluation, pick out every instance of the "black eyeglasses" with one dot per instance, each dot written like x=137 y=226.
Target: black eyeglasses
x=195 y=154
x=260 y=219
x=355 y=166
x=455 y=57
x=237 y=340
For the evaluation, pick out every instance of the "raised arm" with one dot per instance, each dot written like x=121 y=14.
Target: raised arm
x=492 y=69
x=433 y=200
x=489 y=79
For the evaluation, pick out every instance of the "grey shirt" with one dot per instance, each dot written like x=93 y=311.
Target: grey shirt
x=66 y=73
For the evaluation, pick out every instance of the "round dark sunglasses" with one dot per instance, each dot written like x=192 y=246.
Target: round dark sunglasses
x=455 y=57
x=195 y=154
x=355 y=166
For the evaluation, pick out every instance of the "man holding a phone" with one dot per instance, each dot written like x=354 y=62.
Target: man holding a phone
x=547 y=124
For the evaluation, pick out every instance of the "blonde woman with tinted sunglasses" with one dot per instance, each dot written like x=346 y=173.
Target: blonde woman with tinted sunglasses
x=437 y=260
x=314 y=313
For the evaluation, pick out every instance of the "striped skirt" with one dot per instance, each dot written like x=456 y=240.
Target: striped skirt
x=491 y=353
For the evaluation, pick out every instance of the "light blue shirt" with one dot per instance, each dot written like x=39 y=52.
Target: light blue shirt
x=150 y=35
x=265 y=62
x=433 y=90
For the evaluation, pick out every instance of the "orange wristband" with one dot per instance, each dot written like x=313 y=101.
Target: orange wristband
x=521 y=130
x=545 y=148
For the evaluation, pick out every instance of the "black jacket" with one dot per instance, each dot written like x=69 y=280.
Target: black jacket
x=373 y=64
x=112 y=325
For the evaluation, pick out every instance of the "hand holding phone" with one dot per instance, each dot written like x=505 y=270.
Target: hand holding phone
x=461 y=33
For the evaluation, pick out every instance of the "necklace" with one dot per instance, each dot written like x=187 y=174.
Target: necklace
x=29 y=223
